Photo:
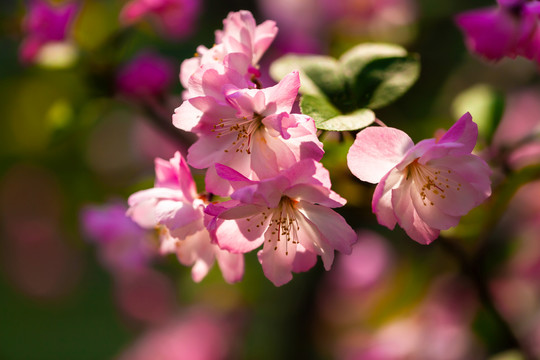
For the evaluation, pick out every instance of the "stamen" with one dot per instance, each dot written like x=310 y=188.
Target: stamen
x=244 y=128
x=429 y=182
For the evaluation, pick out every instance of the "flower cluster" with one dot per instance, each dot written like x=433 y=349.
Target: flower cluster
x=511 y=29
x=45 y=25
x=264 y=160
x=255 y=151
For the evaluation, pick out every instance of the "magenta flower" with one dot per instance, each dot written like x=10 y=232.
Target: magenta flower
x=147 y=74
x=250 y=130
x=240 y=35
x=44 y=24
x=425 y=187
x=123 y=246
x=174 y=18
x=511 y=29
x=288 y=214
x=177 y=211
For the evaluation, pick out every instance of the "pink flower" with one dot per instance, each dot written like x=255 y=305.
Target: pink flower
x=425 y=187
x=250 y=130
x=511 y=29
x=177 y=211
x=44 y=24
x=288 y=214
x=240 y=35
x=146 y=75
x=196 y=335
x=123 y=245
x=174 y=18
x=363 y=269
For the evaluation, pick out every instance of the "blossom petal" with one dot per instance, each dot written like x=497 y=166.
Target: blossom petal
x=464 y=131
x=284 y=93
x=375 y=151
x=313 y=241
x=408 y=218
x=381 y=204
x=331 y=225
x=304 y=259
x=231 y=265
x=277 y=259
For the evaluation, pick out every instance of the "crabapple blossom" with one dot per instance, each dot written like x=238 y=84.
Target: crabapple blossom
x=425 y=187
x=250 y=130
x=240 y=35
x=511 y=29
x=147 y=74
x=175 y=18
x=45 y=24
x=177 y=211
x=123 y=246
x=288 y=214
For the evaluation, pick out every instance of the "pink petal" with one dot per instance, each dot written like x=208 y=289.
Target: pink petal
x=381 y=204
x=408 y=218
x=331 y=225
x=277 y=259
x=313 y=241
x=431 y=212
x=304 y=260
x=175 y=214
x=283 y=95
x=472 y=169
x=375 y=151
x=241 y=235
x=315 y=194
x=186 y=116
x=231 y=265
x=464 y=131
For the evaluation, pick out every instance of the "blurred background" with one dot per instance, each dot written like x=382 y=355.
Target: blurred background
x=87 y=90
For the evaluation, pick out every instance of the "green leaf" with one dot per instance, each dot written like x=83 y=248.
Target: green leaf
x=382 y=81
x=319 y=108
x=354 y=60
x=366 y=77
x=353 y=121
x=486 y=106
x=319 y=75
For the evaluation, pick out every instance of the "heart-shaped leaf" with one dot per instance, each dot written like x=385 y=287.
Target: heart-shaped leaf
x=327 y=117
x=368 y=76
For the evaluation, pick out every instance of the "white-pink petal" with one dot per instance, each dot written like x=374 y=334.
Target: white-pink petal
x=376 y=151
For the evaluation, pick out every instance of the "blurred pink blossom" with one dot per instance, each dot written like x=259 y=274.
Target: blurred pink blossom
x=147 y=74
x=438 y=329
x=35 y=252
x=521 y=120
x=145 y=295
x=425 y=187
x=174 y=18
x=195 y=335
x=123 y=246
x=45 y=23
x=511 y=29
x=370 y=260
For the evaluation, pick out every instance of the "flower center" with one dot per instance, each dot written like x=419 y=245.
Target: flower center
x=283 y=225
x=431 y=182
x=244 y=128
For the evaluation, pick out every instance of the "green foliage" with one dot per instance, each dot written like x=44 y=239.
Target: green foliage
x=339 y=94
x=486 y=106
